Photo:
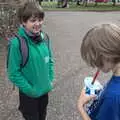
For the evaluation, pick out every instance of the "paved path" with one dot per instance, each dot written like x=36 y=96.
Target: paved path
x=66 y=30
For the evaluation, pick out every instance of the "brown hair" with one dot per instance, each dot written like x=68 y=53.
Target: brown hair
x=30 y=9
x=101 y=42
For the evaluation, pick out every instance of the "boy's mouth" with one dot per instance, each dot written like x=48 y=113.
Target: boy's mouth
x=36 y=28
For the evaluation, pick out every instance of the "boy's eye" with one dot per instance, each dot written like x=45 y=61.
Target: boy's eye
x=40 y=20
x=35 y=19
x=32 y=20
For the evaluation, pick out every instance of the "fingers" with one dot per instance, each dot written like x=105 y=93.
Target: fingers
x=92 y=96
x=83 y=91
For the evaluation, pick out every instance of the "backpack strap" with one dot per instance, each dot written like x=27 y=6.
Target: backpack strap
x=23 y=49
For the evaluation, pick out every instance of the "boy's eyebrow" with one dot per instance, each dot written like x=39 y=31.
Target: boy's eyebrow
x=36 y=16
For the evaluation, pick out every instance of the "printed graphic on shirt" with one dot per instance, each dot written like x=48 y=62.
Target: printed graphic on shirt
x=95 y=104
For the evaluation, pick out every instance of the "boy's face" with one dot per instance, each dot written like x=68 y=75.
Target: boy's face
x=33 y=24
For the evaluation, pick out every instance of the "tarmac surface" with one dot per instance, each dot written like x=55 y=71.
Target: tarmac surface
x=66 y=30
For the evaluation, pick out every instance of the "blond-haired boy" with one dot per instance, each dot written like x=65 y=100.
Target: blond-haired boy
x=101 y=49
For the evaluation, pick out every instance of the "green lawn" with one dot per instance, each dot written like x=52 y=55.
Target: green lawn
x=52 y=6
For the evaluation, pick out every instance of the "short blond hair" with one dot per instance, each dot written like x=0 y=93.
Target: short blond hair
x=101 y=42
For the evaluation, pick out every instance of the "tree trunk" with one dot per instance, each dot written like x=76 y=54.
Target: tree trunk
x=65 y=2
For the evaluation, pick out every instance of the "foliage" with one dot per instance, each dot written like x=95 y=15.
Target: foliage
x=52 y=6
x=8 y=19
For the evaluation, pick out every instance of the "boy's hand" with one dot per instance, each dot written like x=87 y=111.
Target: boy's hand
x=84 y=98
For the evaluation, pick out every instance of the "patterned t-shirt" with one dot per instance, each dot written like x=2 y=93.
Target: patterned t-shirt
x=107 y=105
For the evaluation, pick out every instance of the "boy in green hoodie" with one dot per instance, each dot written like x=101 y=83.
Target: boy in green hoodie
x=34 y=79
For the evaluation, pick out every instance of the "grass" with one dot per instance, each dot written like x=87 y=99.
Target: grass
x=52 y=6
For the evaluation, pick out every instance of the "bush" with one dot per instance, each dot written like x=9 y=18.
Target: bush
x=8 y=19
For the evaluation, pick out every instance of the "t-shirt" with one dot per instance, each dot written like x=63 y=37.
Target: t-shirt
x=108 y=107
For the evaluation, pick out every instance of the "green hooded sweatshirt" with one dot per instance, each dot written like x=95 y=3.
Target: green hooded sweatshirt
x=35 y=78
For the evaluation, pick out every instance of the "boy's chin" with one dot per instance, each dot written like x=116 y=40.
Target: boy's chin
x=36 y=31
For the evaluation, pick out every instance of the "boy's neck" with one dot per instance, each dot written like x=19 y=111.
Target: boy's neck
x=116 y=70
